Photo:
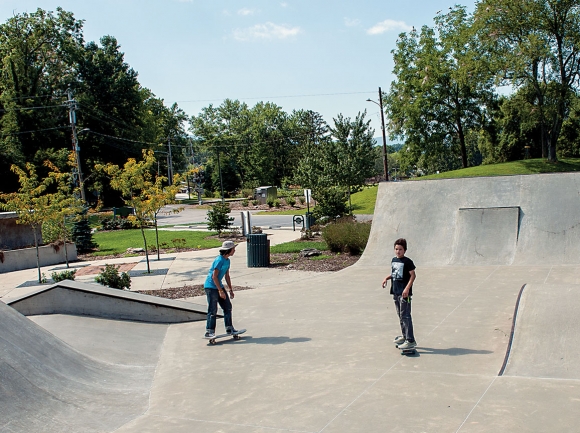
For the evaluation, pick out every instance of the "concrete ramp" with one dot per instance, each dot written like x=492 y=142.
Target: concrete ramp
x=45 y=385
x=83 y=299
x=546 y=340
x=509 y=220
x=486 y=236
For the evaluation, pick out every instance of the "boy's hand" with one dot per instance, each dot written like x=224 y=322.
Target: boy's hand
x=232 y=293
x=405 y=293
x=222 y=293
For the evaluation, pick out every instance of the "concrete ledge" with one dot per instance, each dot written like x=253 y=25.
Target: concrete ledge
x=25 y=258
x=83 y=299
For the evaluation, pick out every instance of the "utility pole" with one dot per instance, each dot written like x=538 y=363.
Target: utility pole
x=385 y=162
x=169 y=163
x=72 y=106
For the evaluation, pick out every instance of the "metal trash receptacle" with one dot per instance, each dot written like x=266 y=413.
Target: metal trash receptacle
x=258 y=251
x=310 y=220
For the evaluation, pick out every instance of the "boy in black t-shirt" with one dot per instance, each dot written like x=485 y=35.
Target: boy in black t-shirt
x=402 y=276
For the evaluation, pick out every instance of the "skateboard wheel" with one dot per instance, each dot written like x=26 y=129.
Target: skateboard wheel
x=236 y=337
x=211 y=341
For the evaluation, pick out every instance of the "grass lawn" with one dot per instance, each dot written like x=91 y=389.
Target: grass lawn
x=526 y=166
x=296 y=246
x=117 y=241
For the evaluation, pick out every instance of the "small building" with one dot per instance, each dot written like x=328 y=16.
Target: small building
x=265 y=193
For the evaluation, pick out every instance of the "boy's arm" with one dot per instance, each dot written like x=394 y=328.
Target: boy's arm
x=409 y=284
x=215 y=277
x=387 y=278
x=229 y=283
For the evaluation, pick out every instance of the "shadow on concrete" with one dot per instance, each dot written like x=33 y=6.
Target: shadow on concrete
x=451 y=351
x=274 y=340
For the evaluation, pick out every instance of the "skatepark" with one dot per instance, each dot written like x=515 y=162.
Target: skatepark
x=496 y=312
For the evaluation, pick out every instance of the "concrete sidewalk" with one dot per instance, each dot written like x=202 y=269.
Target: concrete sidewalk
x=172 y=271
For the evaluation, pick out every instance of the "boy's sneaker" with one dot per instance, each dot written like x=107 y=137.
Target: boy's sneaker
x=231 y=331
x=407 y=345
x=209 y=334
x=399 y=340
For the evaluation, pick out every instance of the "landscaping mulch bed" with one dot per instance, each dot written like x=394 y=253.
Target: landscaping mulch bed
x=330 y=263
x=183 y=292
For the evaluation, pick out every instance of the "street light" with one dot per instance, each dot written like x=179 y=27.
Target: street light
x=385 y=162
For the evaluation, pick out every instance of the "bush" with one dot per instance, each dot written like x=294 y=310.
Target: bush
x=116 y=224
x=290 y=201
x=255 y=202
x=82 y=235
x=331 y=203
x=302 y=200
x=245 y=202
x=247 y=193
x=347 y=236
x=218 y=217
x=179 y=242
x=277 y=203
x=110 y=277
x=64 y=275
x=270 y=202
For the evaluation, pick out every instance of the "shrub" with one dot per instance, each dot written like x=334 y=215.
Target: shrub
x=346 y=235
x=179 y=242
x=302 y=200
x=110 y=277
x=64 y=275
x=82 y=235
x=218 y=217
x=255 y=202
x=331 y=203
x=116 y=224
x=290 y=201
x=277 y=203
x=270 y=202
x=245 y=202
x=247 y=193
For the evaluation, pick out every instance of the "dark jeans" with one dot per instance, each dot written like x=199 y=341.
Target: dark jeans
x=213 y=299
x=403 y=306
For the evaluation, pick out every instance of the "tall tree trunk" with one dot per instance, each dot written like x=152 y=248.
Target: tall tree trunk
x=156 y=236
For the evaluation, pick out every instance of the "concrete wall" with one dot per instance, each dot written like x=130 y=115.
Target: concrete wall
x=15 y=260
x=507 y=220
x=83 y=299
x=14 y=235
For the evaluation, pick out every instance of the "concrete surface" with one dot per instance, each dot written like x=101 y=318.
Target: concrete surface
x=92 y=300
x=318 y=355
x=428 y=214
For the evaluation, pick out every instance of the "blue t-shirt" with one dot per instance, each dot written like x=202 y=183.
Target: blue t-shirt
x=223 y=265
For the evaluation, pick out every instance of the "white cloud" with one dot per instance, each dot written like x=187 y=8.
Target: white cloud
x=351 y=22
x=266 y=31
x=387 y=26
x=245 y=12
x=284 y=4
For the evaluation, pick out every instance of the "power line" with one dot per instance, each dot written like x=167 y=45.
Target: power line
x=36 y=130
x=42 y=107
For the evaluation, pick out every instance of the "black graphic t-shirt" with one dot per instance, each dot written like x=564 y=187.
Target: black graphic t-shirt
x=401 y=274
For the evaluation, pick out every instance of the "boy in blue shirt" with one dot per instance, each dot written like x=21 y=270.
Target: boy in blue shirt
x=402 y=276
x=215 y=291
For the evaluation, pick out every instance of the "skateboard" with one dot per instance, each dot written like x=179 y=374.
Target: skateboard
x=407 y=352
x=235 y=336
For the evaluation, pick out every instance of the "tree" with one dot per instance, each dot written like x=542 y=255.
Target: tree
x=440 y=92
x=31 y=203
x=535 y=43
x=140 y=190
x=218 y=218
x=38 y=52
x=65 y=203
x=351 y=154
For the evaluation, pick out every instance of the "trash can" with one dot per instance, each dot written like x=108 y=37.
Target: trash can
x=310 y=220
x=258 y=251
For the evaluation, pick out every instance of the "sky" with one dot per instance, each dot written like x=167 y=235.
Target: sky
x=321 y=55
